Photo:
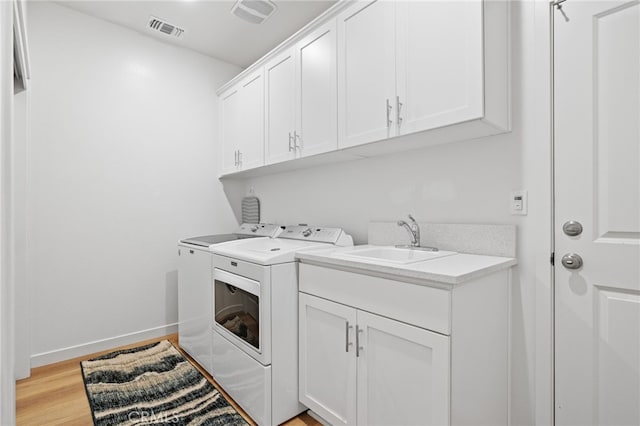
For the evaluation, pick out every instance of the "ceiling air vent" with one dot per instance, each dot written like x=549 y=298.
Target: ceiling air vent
x=162 y=26
x=254 y=11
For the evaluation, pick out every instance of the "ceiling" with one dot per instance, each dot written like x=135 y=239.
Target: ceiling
x=209 y=26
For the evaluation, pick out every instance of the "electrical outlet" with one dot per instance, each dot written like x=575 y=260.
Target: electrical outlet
x=518 y=202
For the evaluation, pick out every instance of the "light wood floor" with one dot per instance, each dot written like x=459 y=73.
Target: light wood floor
x=55 y=395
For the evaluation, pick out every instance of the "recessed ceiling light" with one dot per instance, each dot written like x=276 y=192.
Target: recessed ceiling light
x=254 y=11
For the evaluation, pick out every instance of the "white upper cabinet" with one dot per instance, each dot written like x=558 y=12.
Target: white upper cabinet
x=370 y=70
x=301 y=98
x=280 y=96
x=251 y=148
x=439 y=64
x=242 y=124
x=230 y=129
x=366 y=72
x=411 y=66
x=317 y=121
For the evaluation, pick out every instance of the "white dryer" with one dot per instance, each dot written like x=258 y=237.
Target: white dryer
x=255 y=319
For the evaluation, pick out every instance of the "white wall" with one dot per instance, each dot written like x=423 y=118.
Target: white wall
x=456 y=183
x=121 y=165
x=7 y=376
x=466 y=182
x=21 y=132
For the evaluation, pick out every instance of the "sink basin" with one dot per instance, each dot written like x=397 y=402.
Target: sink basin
x=401 y=256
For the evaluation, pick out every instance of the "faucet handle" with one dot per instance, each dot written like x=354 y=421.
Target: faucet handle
x=411 y=218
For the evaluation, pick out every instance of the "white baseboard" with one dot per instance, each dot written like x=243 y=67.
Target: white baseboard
x=45 y=358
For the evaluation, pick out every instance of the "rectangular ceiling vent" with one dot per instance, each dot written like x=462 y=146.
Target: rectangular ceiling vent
x=164 y=27
x=254 y=11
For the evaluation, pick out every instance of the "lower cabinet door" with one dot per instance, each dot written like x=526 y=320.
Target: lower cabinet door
x=327 y=359
x=403 y=373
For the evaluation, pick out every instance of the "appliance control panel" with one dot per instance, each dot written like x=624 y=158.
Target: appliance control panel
x=259 y=229
x=317 y=234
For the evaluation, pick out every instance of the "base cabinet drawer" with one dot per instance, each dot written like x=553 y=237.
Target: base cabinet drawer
x=357 y=368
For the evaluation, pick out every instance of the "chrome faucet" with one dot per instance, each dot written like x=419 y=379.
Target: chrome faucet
x=414 y=233
x=413 y=229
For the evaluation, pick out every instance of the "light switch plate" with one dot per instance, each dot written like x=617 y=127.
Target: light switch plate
x=518 y=202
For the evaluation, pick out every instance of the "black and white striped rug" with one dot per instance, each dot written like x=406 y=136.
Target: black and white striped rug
x=153 y=384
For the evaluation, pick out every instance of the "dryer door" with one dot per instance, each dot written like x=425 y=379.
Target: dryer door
x=240 y=311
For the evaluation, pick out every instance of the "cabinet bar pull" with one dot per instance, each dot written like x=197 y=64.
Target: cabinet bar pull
x=398 y=108
x=291 y=148
x=296 y=137
x=346 y=333
x=358 y=347
x=239 y=158
x=235 y=157
x=389 y=121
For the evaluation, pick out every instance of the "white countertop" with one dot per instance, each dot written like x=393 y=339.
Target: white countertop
x=453 y=269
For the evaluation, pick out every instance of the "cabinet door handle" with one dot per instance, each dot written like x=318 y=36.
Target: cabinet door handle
x=346 y=334
x=398 y=108
x=358 y=347
x=389 y=121
x=296 y=137
x=235 y=157
x=291 y=148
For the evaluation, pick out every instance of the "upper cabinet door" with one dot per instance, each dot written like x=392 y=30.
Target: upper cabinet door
x=439 y=63
x=280 y=98
x=229 y=129
x=317 y=121
x=251 y=147
x=366 y=73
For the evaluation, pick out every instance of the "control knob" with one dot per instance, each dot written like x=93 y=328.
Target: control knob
x=307 y=232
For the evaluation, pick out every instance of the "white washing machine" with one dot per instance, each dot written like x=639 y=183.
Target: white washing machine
x=255 y=319
x=194 y=288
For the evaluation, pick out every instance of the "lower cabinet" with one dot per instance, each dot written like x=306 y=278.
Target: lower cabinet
x=360 y=368
x=374 y=350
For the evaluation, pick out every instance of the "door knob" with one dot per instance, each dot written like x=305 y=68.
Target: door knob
x=572 y=228
x=572 y=261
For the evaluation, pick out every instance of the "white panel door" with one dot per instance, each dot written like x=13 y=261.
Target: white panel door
x=280 y=98
x=327 y=359
x=597 y=169
x=229 y=129
x=251 y=145
x=366 y=73
x=403 y=373
x=439 y=63
x=195 y=313
x=317 y=121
